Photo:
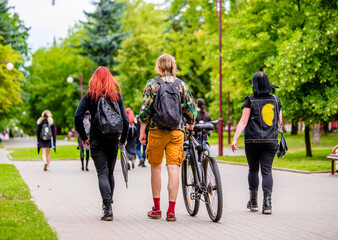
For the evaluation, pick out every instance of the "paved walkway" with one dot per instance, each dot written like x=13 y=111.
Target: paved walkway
x=304 y=206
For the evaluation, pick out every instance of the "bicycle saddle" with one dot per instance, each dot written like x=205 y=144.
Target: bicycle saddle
x=204 y=126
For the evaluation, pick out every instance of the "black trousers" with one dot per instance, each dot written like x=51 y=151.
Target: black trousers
x=104 y=154
x=260 y=154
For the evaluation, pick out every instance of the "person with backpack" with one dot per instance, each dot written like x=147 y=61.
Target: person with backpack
x=81 y=147
x=131 y=139
x=108 y=128
x=46 y=138
x=259 y=120
x=166 y=100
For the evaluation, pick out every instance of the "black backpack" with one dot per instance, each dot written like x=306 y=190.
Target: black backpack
x=108 y=119
x=167 y=110
x=46 y=132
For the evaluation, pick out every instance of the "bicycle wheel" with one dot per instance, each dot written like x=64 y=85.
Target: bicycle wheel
x=214 y=195
x=188 y=187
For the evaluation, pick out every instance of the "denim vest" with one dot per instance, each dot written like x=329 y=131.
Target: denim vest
x=262 y=125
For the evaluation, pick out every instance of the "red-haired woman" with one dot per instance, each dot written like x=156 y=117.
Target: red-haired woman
x=131 y=139
x=103 y=150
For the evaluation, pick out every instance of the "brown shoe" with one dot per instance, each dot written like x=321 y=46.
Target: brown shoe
x=45 y=168
x=155 y=213
x=171 y=217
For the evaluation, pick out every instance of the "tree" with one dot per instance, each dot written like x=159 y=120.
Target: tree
x=193 y=27
x=47 y=83
x=143 y=45
x=12 y=29
x=305 y=65
x=11 y=82
x=103 y=33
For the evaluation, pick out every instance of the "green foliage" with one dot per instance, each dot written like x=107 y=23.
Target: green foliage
x=103 y=37
x=20 y=217
x=12 y=29
x=305 y=65
x=48 y=86
x=192 y=39
x=140 y=50
x=11 y=82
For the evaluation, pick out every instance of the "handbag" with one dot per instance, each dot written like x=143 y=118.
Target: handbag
x=282 y=147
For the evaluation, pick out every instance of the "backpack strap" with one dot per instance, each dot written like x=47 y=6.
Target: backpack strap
x=159 y=80
x=177 y=82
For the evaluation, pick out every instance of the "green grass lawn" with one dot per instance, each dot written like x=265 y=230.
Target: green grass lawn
x=295 y=158
x=20 y=217
x=62 y=153
x=1 y=145
x=62 y=137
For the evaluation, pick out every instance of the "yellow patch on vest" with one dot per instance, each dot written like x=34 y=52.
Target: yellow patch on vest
x=268 y=114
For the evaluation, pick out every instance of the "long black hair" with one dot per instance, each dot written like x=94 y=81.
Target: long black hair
x=261 y=84
x=201 y=104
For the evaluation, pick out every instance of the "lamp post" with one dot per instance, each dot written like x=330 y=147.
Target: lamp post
x=9 y=65
x=70 y=79
x=220 y=119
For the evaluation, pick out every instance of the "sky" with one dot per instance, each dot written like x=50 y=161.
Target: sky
x=47 y=21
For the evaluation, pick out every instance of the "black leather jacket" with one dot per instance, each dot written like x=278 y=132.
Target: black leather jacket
x=262 y=125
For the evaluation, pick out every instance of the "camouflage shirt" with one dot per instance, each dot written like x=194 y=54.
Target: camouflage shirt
x=187 y=102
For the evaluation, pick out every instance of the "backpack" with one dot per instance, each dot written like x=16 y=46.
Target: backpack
x=108 y=119
x=167 y=110
x=46 y=132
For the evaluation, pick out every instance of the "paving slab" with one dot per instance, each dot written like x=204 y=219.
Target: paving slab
x=304 y=206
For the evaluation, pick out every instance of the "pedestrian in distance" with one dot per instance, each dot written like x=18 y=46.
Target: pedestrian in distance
x=141 y=153
x=81 y=147
x=260 y=124
x=109 y=127
x=166 y=100
x=46 y=138
x=202 y=114
x=131 y=139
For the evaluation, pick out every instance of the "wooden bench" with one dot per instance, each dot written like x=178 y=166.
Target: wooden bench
x=333 y=157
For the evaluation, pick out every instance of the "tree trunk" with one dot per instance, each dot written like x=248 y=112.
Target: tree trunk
x=307 y=141
x=294 y=129
x=325 y=128
x=316 y=133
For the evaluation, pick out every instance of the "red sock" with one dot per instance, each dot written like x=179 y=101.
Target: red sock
x=171 y=208
x=156 y=203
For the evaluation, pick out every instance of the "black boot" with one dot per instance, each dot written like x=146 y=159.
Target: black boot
x=252 y=204
x=107 y=212
x=267 y=203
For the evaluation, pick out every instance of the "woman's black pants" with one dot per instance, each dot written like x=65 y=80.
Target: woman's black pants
x=260 y=154
x=104 y=154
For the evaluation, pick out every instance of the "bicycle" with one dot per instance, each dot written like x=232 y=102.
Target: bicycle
x=201 y=179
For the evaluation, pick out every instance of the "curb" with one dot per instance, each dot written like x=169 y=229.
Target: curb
x=276 y=168
x=9 y=156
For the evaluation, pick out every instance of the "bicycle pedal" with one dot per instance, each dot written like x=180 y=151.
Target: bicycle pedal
x=194 y=196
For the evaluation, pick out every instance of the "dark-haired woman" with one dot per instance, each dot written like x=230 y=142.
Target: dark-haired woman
x=202 y=114
x=103 y=150
x=260 y=124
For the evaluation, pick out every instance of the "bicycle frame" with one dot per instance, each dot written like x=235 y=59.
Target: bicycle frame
x=198 y=151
